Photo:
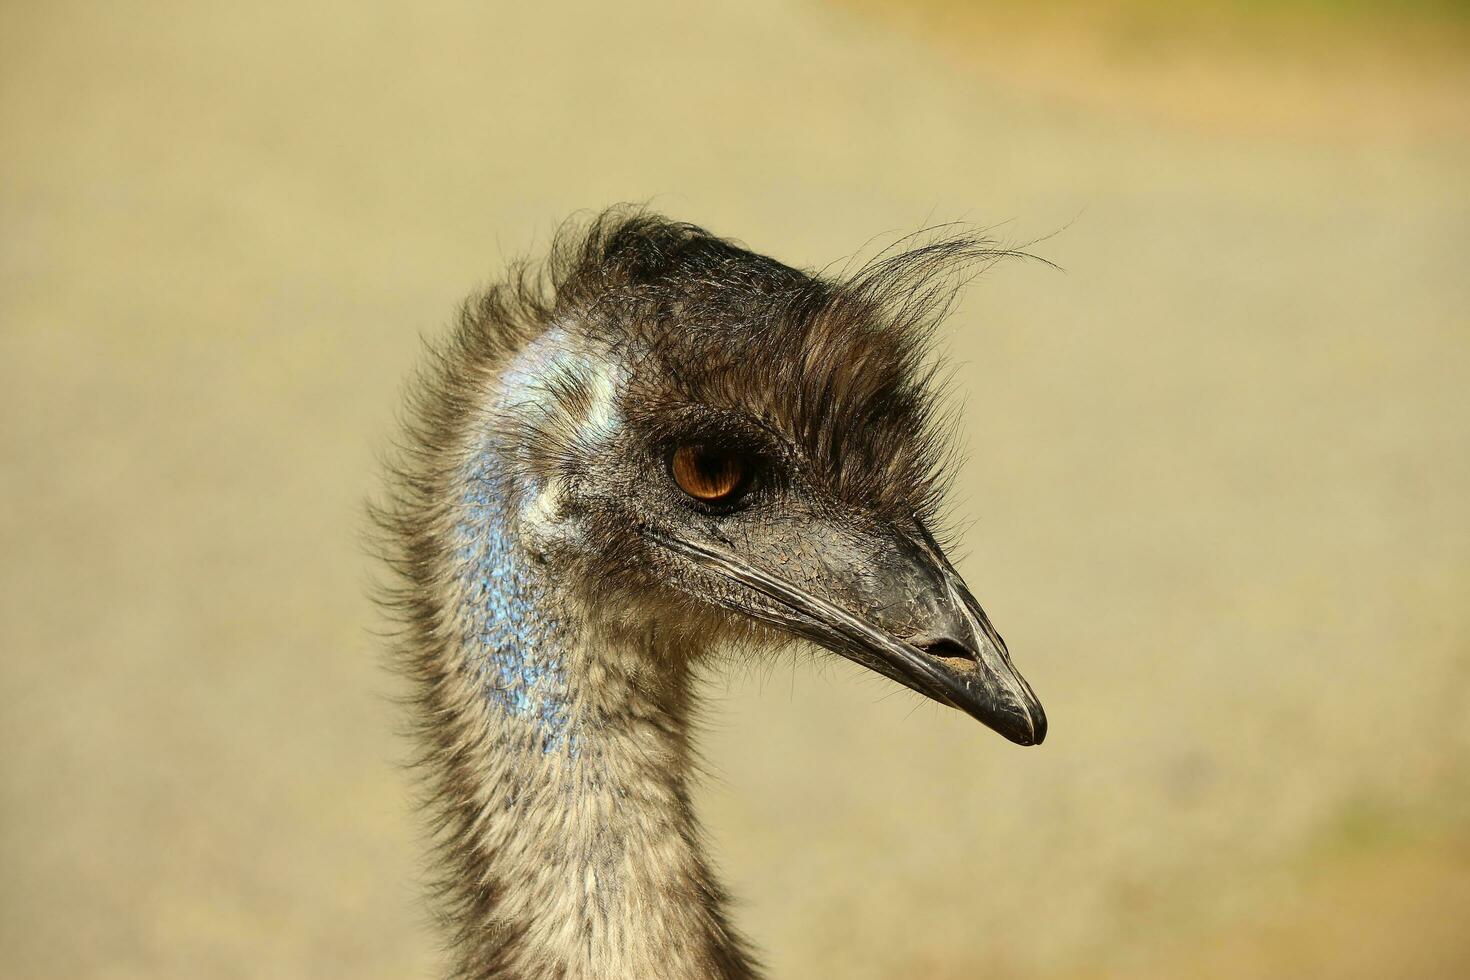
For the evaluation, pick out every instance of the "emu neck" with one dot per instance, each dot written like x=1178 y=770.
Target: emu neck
x=576 y=848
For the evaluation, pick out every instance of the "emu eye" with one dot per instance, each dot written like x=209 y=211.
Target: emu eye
x=709 y=475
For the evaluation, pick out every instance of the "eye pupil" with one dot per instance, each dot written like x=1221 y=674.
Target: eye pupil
x=709 y=475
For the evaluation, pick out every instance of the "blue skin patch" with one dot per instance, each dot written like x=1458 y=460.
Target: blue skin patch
x=517 y=646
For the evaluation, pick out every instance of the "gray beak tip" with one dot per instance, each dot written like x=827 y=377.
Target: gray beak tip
x=1036 y=725
x=1023 y=724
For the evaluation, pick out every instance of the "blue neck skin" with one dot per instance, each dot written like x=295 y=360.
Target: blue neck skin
x=513 y=638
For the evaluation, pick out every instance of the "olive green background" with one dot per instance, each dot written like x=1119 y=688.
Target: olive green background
x=1215 y=490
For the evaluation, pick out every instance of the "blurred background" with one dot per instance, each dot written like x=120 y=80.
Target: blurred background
x=1217 y=490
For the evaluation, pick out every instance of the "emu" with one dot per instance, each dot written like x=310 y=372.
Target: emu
x=655 y=446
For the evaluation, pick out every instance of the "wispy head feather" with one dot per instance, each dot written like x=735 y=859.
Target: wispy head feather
x=843 y=368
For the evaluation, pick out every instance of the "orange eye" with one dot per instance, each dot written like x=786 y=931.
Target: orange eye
x=708 y=475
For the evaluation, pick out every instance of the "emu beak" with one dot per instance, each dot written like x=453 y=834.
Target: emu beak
x=951 y=653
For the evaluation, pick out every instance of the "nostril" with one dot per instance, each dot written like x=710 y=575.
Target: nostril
x=947 y=650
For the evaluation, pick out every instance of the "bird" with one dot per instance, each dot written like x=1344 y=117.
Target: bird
x=650 y=450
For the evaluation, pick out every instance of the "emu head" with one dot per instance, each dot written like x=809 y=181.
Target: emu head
x=702 y=439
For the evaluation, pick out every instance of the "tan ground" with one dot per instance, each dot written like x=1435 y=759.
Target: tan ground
x=1217 y=488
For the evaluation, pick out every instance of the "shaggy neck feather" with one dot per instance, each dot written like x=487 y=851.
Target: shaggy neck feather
x=584 y=845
